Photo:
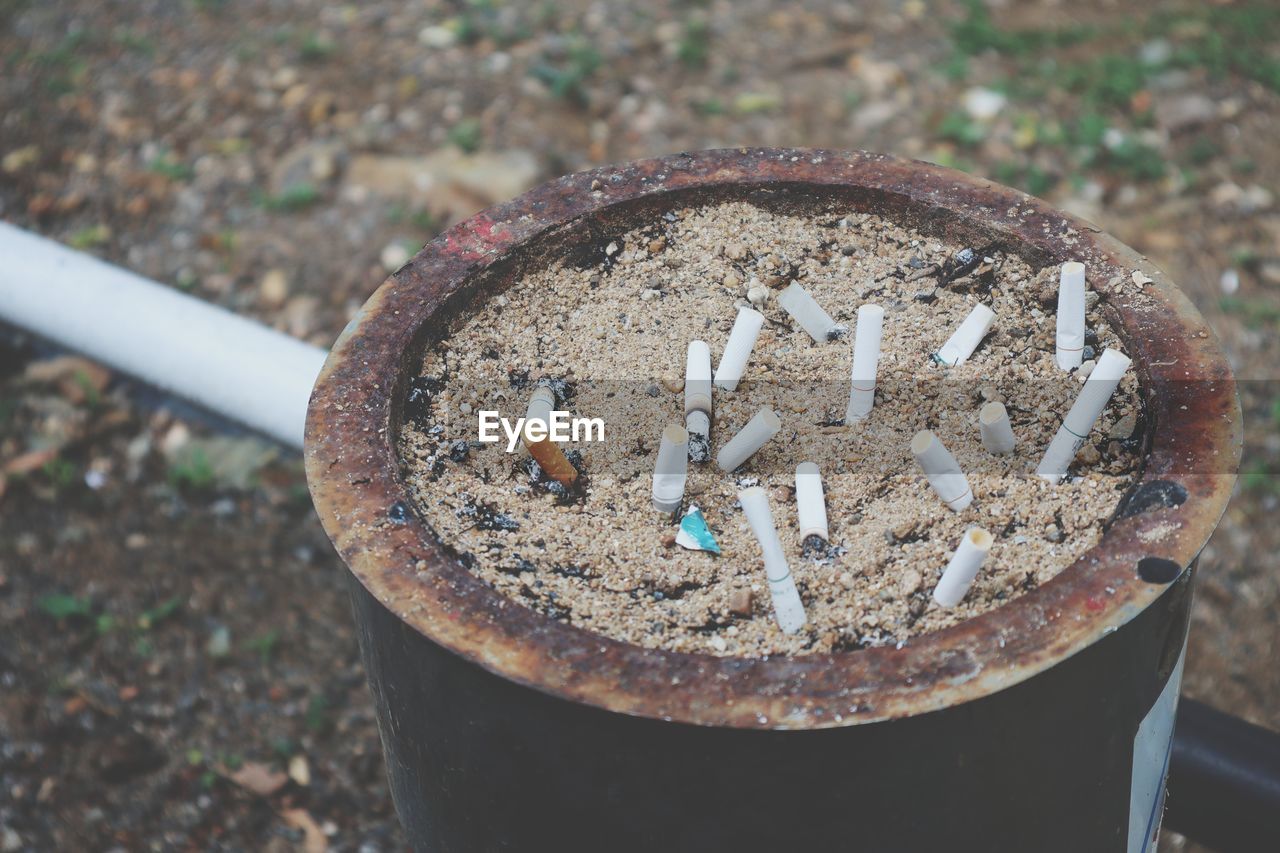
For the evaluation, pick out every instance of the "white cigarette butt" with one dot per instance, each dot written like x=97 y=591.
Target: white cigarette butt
x=1093 y=398
x=749 y=439
x=993 y=426
x=811 y=505
x=806 y=311
x=787 y=606
x=1070 y=338
x=944 y=473
x=966 y=338
x=697 y=378
x=733 y=361
x=671 y=470
x=697 y=400
x=866 y=360
x=960 y=571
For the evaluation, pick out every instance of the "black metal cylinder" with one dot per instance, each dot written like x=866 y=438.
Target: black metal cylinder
x=480 y=763
x=1042 y=725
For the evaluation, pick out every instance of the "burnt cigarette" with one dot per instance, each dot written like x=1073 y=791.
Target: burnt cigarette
x=966 y=338
x=742 y=338
x=963 y=567
x=944 y=473
x=788 y=609
x=806 y=311
x=994 y=427
x=749 y=439
x=697 y=400
x=866 y=360
x=811 y=504
x=671 y=470
x=1070 y=338
x=545 y=452
x=1093 y=398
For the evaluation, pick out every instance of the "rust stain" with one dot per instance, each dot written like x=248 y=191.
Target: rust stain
x=353 y=468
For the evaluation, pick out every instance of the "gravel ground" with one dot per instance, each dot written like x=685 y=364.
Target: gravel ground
x=176 y=655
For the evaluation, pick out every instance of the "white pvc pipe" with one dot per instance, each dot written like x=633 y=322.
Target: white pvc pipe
x=228 y=364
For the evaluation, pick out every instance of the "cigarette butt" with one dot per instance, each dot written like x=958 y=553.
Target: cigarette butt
x=671 y=470
x=552 y=461
x=697 y=400
x=749 y=439
x=697 y=378
x=811 y=505
x=1097 y=390
x=958 y=576
x=733 y=361
x=788 y=609
x=806 y=311
x=993 y=426
x=866 y=360
x=945 y=476
x=1070 y=332
x=698 y=425
x=545 y=452
x=966 y=338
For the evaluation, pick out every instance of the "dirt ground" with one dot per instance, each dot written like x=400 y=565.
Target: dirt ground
x=177 y=665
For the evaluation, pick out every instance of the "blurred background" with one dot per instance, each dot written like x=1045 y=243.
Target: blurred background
x=177 y=663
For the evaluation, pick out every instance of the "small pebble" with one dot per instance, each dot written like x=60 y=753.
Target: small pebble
x=740 y=601
x=1123 y=428
x=674 y=384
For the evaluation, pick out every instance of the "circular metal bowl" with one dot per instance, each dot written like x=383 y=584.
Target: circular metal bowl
x=1192 y=447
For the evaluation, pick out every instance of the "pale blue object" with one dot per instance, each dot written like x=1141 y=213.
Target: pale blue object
x=694 y=533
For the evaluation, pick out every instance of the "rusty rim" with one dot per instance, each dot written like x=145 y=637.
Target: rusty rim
x=353 y=467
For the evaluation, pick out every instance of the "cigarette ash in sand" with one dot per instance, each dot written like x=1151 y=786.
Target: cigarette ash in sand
x=615 y=327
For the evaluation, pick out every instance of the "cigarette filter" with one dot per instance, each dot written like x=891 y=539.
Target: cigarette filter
x=1070 y=340
x=958 y=576
x=1093 y=398
x=749 y=439
x=993 y=426
x=866 y=360
x=545 y=452
x=697 y=378
x=671 y=470
x=966 y=338
x=943 y=471
x=787 y=606
x=698 y=425
x=736 y=352
x=811 y=505
x=806 y=311
x=697 y=400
